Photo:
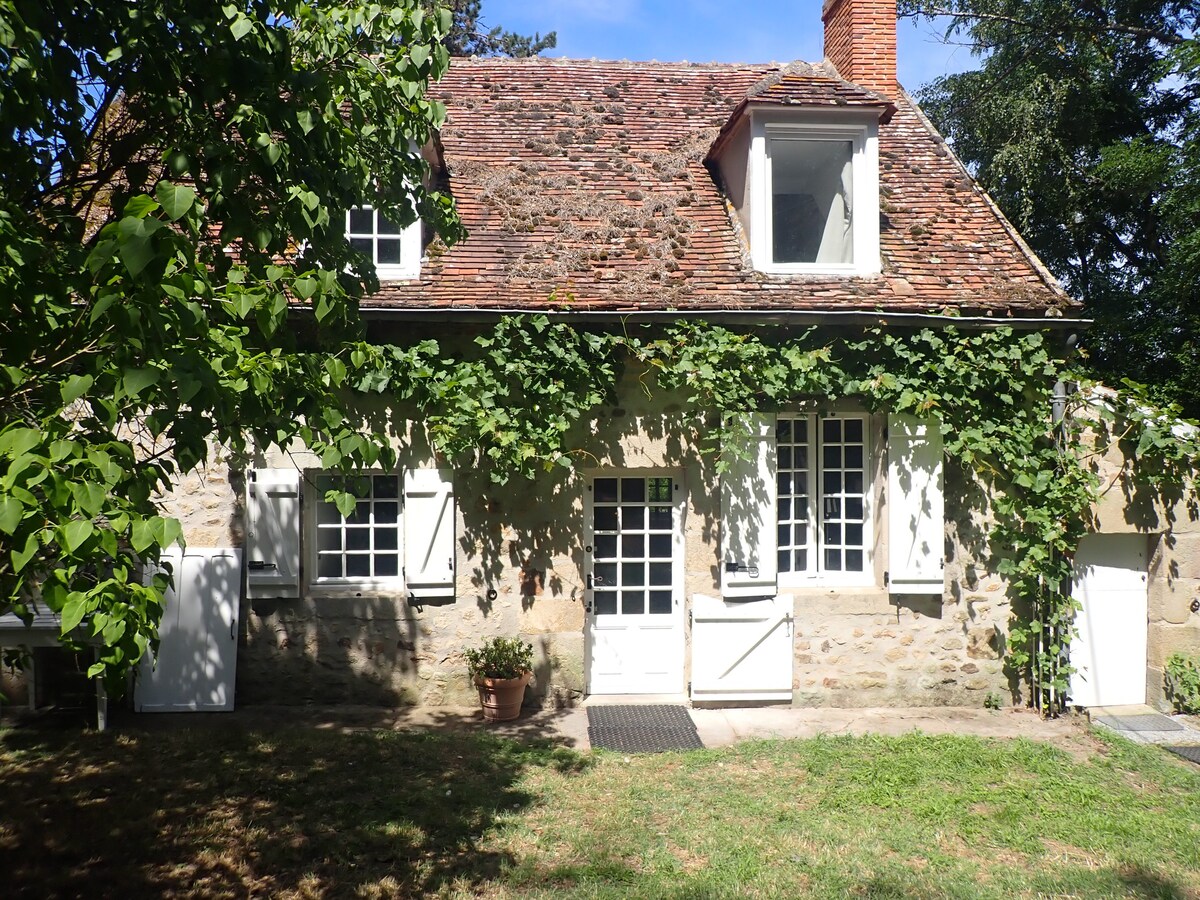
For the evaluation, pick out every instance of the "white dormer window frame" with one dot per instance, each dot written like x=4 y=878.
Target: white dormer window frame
x=770 y=133
x=395 y=251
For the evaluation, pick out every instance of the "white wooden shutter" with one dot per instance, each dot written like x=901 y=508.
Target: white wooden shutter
x=741 y=650
x=749 y=561
x=916 y=508
x=273 y=534
x=429 y=533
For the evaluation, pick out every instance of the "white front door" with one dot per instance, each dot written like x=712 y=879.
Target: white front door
x=1109 y=652
x=634 y=563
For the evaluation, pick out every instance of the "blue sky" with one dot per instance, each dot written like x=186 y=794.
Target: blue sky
x=708 y=30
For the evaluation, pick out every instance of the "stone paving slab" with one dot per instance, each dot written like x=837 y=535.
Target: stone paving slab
x=1191 y=754
x=1146 y=725
x=1141 y=722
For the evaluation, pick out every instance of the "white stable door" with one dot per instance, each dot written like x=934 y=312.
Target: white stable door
x=195 y=666
x=1109 y=653
x=634 y=598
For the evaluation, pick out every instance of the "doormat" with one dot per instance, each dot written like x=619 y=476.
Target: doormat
x=1191 y=754
x=642 y=729
x=1140 y=722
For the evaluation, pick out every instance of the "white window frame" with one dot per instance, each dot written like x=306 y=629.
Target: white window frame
x=410 y=247
x=863 y=134
x=311 y=542
x=816 y=575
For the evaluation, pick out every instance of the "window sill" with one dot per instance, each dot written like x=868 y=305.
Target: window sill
x=847 y=600
x=397 y=273
x=818 y=270
x=318 y=589
x=864 y=582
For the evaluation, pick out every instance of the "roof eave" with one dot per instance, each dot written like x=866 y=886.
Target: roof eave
x=886 y=109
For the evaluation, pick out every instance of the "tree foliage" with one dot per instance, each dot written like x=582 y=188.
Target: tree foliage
x=467 y=37
x=1083 y=121
x=175 y=175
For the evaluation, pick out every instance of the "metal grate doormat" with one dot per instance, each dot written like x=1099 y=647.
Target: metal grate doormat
x=1140 y=722
x=1191 y=754
x=642 y=729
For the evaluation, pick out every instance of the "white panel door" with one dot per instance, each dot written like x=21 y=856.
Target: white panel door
x=1109 y=654
x=634 y=561
x=195 y=667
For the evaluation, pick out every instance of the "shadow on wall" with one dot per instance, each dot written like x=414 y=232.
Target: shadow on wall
x=262 y=807
x=971 y=560
x=526 y=538
x=520 y=544
x=330 y=650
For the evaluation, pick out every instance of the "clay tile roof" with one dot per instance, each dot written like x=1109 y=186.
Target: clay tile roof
x=805 y=84
x=583 y=185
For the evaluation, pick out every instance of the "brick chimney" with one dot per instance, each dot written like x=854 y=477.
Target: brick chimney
x=860 y=41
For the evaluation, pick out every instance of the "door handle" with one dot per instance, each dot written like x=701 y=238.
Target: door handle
x=233 y=628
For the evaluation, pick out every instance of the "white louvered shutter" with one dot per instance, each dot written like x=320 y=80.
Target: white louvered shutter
x=749 y=560
x=273 y=534
x=916 y=508
x=429 y=533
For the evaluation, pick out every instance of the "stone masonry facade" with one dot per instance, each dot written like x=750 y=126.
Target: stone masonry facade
x=519 y=571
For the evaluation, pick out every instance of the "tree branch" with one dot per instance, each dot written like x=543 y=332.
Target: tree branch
x=1165 y=37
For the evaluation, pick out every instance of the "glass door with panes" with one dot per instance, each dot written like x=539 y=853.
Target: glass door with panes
x=634 y=594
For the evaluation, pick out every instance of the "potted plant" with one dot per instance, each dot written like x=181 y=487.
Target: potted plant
x=501 y=669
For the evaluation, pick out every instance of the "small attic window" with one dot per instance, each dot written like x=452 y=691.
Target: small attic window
x=815 y=189
x=395 y=251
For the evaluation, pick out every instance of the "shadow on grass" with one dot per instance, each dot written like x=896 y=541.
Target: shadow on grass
x=269 y=811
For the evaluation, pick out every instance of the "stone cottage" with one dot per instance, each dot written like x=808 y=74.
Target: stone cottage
x=826 y=568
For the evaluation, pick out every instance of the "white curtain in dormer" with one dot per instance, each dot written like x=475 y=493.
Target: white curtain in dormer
x=837 y=243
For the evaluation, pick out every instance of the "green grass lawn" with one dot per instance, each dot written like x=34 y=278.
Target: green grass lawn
x=310 y=813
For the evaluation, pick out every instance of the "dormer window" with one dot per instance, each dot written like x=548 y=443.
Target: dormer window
x=815 y=197
x=812 y=200
x=395 y=251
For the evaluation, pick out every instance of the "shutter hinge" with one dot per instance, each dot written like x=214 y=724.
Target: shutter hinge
x=886 y=578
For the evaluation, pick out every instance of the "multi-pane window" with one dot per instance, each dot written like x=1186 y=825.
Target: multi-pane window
x=386 y=244
x=822 y=495
x=632 y=529
x=366 y=544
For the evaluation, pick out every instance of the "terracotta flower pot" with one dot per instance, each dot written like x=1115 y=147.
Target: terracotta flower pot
x=501 y=697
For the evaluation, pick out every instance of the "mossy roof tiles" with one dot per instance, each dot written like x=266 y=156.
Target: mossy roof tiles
x=583 y=186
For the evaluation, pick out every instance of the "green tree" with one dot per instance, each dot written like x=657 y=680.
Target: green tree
x=1083 y=121
x=466 y=37
x=175 y=174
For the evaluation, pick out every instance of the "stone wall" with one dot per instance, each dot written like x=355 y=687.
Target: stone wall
x=867 y=647
x=519 y=571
